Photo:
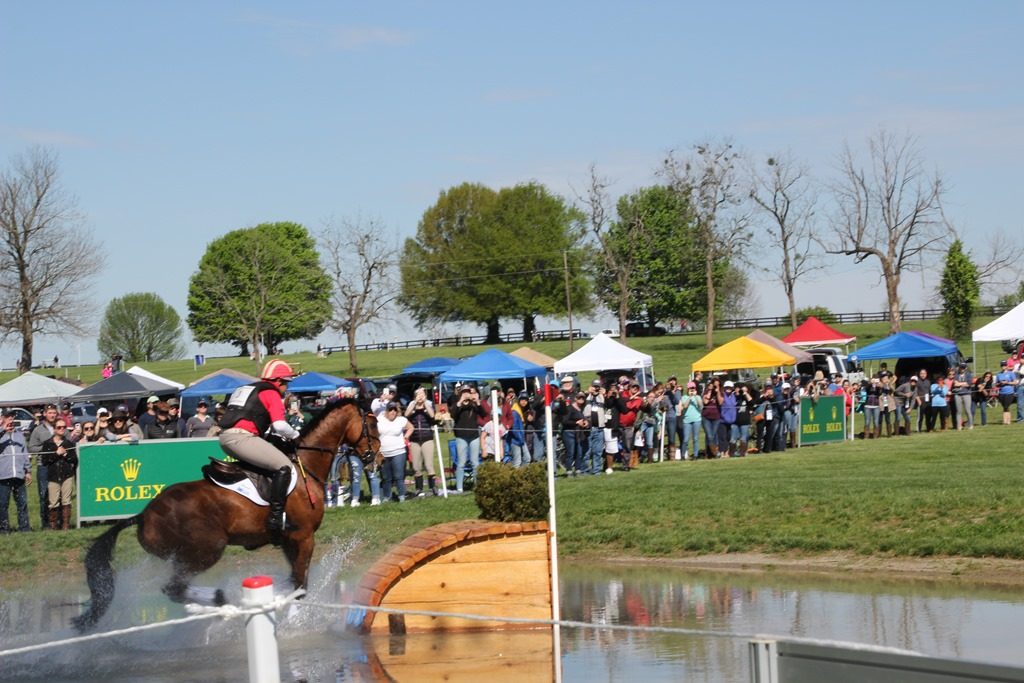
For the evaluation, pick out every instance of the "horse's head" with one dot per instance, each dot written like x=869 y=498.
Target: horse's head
x=364 y=438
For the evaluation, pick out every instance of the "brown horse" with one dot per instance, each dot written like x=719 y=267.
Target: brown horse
x=190 y=524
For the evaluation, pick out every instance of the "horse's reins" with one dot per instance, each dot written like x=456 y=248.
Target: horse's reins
x=305 y=473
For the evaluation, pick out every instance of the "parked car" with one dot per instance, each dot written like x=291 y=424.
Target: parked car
x=610 y=332
x=83 y=412
x=23 y=419
x=639 y=329
x=830 y=361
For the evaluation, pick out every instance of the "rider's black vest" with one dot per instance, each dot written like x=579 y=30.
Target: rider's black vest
x=245 y=404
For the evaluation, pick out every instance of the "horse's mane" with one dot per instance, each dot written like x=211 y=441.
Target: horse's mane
x=333 y=405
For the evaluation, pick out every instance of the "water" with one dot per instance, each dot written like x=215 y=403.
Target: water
x=937 y=619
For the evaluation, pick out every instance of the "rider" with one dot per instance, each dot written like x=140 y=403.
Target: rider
x=253 y=411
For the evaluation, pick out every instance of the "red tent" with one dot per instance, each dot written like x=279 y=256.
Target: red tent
x=813 y=332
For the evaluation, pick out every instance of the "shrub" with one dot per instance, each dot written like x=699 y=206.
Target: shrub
x=820 y=312
x=507 y=494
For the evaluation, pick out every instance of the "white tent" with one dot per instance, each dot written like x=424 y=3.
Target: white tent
x=140 y=372
x=32 y=389
x=1010 y=325
x=602 y=353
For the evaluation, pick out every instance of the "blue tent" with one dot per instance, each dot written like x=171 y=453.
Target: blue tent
x=492 y=364
x=309 y=382
x=217 y=384
x=906 y=345
x=431 y=366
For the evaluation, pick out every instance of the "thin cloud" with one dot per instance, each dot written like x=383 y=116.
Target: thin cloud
x=51 y=138
x=506 y=95
x=309 y=37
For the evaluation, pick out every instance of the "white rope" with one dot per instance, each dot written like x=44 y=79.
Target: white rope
x=199 y=613
x=731 y=635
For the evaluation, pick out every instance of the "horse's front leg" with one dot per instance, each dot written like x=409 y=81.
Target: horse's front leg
x=299 y=552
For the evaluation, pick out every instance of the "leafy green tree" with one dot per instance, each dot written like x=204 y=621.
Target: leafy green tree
x=959 y=290
x=480 y=256
x=141 y=327
x=822 y=313
x=259 y=285
x=666 y=280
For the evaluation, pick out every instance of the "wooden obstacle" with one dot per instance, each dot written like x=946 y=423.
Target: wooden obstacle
x=470 y=566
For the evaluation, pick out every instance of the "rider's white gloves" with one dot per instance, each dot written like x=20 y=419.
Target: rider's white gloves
x=283 y=429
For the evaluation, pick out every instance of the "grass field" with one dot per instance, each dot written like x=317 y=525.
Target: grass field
x=673 y=355
x=938 y=494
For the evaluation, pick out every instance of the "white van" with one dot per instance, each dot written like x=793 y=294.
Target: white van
x=830 y=360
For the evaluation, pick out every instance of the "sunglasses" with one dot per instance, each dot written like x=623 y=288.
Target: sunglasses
x=61 y=427
x=88 y=429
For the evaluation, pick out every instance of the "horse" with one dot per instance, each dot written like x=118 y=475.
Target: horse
x=190 y=524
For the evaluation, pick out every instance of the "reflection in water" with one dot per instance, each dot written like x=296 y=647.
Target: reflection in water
x=941 y=620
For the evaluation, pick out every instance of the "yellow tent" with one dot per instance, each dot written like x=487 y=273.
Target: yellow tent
x=743 y=352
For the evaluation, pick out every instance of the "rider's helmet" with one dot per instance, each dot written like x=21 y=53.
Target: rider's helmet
x=277 y=370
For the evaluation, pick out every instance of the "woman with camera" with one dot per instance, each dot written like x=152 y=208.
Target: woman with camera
x=60 y=456
x=420 y=413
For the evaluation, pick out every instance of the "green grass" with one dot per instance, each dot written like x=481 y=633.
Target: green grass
x=939 y=494
x=673 y=355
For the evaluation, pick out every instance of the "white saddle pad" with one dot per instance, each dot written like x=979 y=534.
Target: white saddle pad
x=246 y=488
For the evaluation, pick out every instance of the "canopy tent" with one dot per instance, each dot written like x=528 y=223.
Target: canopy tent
x=309 y=382
x=813 y=332
x=1010 y=325
x=431 y=366
x=492 y=364
x=602 y=353
x=125 y=385
x=217 y=383
x=31 y=389
x=800 y=355
x=142 y=372
x=528 y=354
x=743 y=352
x=909 y=344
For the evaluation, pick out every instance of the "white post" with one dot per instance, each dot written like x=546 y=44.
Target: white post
x=661 y=440
x=495 y=421
x=556 y=610
x=440 y=463
x=764 y=661
x=260 y=631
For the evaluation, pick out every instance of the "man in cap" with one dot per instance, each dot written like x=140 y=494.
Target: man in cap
x=149 y=417
x=387 y=395
x=1006 y=382
x=42 y=433
x=198 y=426
x=174 y=416
x=15 y=472
x=963 y=387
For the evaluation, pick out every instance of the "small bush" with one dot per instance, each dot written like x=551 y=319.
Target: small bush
x=507 y=494
x=820 y=312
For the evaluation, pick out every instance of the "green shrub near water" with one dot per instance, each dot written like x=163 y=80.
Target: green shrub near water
x=507 y=494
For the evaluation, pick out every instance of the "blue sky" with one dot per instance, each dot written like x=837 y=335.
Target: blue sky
x=176 y=122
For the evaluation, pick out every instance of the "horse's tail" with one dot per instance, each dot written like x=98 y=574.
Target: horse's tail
x=100 y=573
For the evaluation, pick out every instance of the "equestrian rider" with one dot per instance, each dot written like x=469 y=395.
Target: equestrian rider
x=253 y=411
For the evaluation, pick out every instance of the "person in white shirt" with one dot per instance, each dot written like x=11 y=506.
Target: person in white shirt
x=394 y=430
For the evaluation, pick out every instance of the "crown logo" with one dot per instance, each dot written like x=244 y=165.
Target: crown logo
x=835 y=412
x=810 y=414
x=130 y=468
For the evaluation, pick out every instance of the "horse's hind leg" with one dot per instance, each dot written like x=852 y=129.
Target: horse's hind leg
x=178 y=589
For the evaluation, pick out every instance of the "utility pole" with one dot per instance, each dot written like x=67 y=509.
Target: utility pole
x=568 y=297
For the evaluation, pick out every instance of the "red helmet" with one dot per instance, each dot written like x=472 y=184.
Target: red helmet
x=277 y=369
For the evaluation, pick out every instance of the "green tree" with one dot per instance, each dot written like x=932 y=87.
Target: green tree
x=822 y=313
x=259 y=285
x=1011 y=299
x=666 y=280
x=959 y=290
x=141 y=327
x=480 y=256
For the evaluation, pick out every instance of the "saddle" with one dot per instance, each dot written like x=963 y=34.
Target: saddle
x=230 y=474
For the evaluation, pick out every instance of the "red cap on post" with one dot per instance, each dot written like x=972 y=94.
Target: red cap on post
x=257 y=582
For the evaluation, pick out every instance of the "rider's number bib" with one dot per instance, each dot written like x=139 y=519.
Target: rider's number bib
x=240 y=396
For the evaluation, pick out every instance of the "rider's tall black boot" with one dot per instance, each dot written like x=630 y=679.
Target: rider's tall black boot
x=276 y=521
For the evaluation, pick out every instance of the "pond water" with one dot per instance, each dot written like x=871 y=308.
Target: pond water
x=944 y=620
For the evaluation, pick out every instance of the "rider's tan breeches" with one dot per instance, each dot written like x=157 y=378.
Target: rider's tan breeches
x=252 y=449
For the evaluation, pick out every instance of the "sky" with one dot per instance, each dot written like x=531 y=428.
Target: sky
x=176 y=122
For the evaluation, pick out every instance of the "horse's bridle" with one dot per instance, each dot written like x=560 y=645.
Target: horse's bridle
x=368 y=457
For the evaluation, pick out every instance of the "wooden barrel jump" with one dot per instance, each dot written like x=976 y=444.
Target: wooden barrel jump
x=469 y=566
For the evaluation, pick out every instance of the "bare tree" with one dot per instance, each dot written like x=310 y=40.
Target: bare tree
x=1001 y=264
x=783 y=191
x=47 y=257
x=890 y=211
x=709 y=179
x=358 y=260
x=618 y=257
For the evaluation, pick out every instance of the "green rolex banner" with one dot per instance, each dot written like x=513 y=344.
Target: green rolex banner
x=118 y=480
x=823 y=420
